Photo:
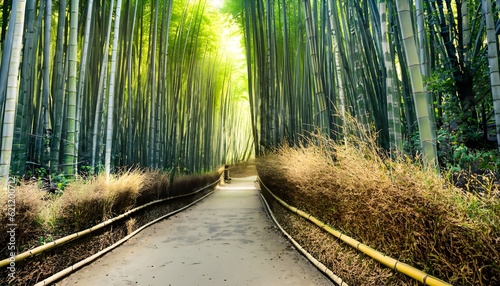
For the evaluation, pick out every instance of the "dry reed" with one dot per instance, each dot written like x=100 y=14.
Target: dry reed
x=42 y=217
x=26 y=207
x=395 y=206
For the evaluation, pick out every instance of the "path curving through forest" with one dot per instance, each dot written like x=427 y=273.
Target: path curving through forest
x=227 y=239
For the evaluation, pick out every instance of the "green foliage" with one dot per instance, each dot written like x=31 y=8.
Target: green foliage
x=60 y=181
x=455 y=156
x=464 y=158
x=43 y=240
x=85 y=171
x=441 y=81
x=461 y=134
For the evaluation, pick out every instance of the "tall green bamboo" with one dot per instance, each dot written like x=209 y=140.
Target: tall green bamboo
x=58 y=95
x=70 y=152
x=324 y=118
x=393 y=96
x=23 y=133
x=493 y=62
x=112 y=88
x=183 y=81
x=82 y=74
x=152 y=130
x=101 y=91
x=46 y=83
x=423 y=104
x=6 y=52
x=12 y=90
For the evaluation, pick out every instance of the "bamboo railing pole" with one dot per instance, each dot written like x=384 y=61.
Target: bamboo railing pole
x=68 y=238
x=311 y=258
x=390 y=262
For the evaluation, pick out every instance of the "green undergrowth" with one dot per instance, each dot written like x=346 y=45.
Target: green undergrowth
x=393 y=205
x=42 y=217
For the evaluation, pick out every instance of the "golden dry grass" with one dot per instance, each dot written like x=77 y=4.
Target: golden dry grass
x=28 y=204
x=42 y=217
x=243 y=169
x=392 y=205
x=86 y=203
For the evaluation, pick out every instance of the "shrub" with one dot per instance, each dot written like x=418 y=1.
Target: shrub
x=82 y=205
x=395 y=206
x=122 y=191
x=88 y=202
x=43 y=217
x=28 y=203
x=156 y=186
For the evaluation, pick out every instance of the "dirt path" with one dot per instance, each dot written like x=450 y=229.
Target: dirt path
x=227 y=239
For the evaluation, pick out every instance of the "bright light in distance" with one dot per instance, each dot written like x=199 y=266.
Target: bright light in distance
x=216 y=3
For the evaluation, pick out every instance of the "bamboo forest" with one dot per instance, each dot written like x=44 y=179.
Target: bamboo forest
x=120 y=84
x=100 y=88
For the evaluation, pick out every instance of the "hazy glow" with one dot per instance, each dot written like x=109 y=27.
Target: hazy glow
x=231 y=38
x=216 y=3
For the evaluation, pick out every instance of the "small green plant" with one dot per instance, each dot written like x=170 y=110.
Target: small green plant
x=44 y=240
x=41 y=172
x=60 y=181
x=85 y=170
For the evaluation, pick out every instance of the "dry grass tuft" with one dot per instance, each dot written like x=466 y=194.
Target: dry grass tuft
x=43 y=217
x=82 y=205
x=185 y=184
x=156 y=186
x=243 y=169
x=131 y=225
x=395 y=206
x=28 y=202
x=122 y=191
x=87 y=203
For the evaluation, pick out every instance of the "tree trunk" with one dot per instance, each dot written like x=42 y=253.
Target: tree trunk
x=100 y=90
x=82 y=73
x=71 y=154
x=47 y=133
x=58 y=90
x=392 y=93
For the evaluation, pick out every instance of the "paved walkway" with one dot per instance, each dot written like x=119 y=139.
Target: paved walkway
x=227 y=239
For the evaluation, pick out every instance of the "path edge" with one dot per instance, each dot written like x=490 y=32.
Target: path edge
x=69 y=270
x=320 y=266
